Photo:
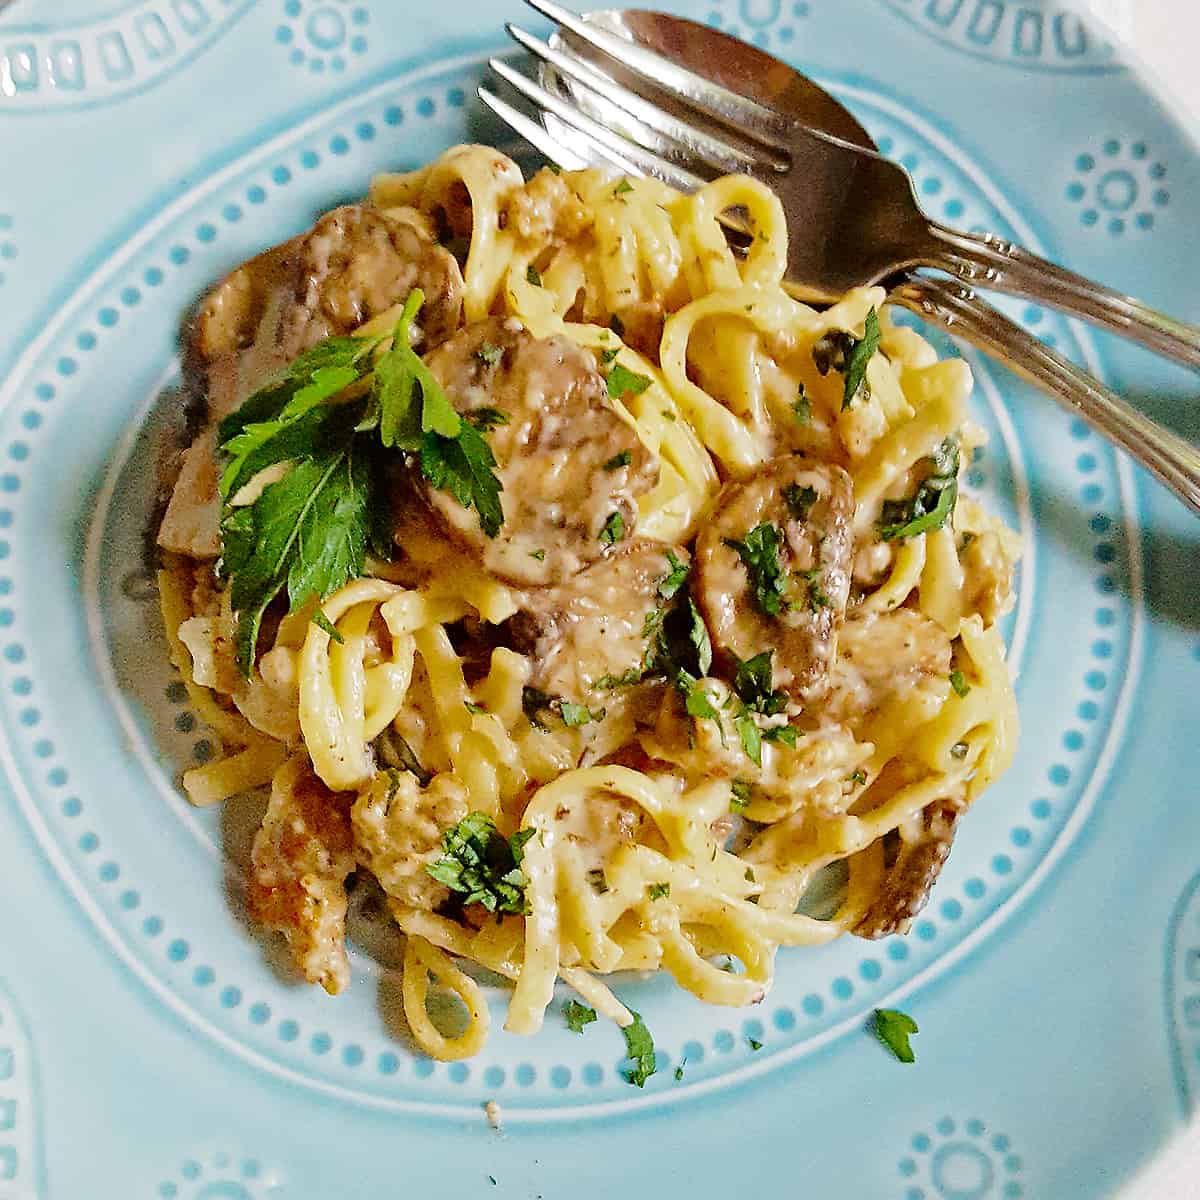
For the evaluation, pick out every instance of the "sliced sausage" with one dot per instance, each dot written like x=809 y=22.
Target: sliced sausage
x=567 y=463
x=911 y=875
x=594 y=626
x=792 y=521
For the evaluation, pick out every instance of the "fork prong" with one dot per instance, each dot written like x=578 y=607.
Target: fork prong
x=740 y=113
x=649 y=124
x=536 y=135
x=639 y=160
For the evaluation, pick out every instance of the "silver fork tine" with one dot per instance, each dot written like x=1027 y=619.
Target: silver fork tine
x=536 y=135
x=719 y=102
x=693 y=143
x=642 y=161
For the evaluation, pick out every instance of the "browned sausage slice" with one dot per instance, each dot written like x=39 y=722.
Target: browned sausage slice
x=773 y=569
x=569 y=466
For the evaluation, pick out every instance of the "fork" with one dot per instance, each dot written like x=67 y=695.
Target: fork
x=861 y=219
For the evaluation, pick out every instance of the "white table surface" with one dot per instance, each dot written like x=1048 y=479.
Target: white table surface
x=1166 y=36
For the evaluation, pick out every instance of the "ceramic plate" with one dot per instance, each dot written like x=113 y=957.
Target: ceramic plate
x=151 y=1045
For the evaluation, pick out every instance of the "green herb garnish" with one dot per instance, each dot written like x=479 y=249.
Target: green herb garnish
x=754 y=1043
x=958 y=681
x=488 y=354
x=861 y=353
x=931 y=505
x=784 y=734
x=623 y=187
x=623 y=459
x=577 y=1015
x=752 y=681
x=476 y=710
x=624 y=382
x=659 y=891
x=639 y=1047
x=670 y=583
x=533 y=275
x=759 y=551
x=482 y=864
x=893 y=1029
x=740 y=793
x=802 y=408
x=574 y=715
x=799 y=500
x=614 y=529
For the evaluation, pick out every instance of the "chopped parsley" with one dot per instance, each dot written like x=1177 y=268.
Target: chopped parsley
x=856 y=365
x=752 y=682
x=696 y=701
x=623 y=459
x=533 y=275
x=534 y=703
x=679 y=1070
x=802 y=408
x=540 y=555
x=740 y=793
x=614 y=529
x=799 y=500
x=474 y=709
x=893 y=1028
x=750 y=736
x=754 y=1043
x=784 y=734
x=623 y=187
x=574 y=715
x=639 y=1048
x=577 y=1015
x=489 y=354
x=482 y=864
x=759 y=551
x=674 y=579
x=858 y=777
x=958 y=681
x=608 y=683
x=659 y=891
x=606 y=356
x=624 y=382
x=817 y=597
x=931 y=506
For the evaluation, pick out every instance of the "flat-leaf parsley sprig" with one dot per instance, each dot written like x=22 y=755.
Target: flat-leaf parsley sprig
x=325 y=422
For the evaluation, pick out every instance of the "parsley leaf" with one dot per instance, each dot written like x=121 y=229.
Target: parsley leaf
x=754 y=1043
x=759 y=551
x=670 y=583
x=623 y=459
x=696 y=700
x=573 y=715
x=624 y=382
x=483 y=865
x=893 y=1029
x=799 y=500
x=958 y=681
x=750 y=736
x=608 y=683
x=698 y=638
x=679 y=1070
x=307 y=531
x=489 y=354
x=577 y=1015
x=623 y=187
x=931 y=505
x=861 y=353
x=540 y=555
x=614 y=529
x=785 y=734
x=802 y=408
x=475 y=710
x=859 y=777
x=639 y=1047
x=463 y=466
x=533 y=703
x=659 y=891
x=752 y=681
x=740 y=793
x=606 y=356
x=533 y=275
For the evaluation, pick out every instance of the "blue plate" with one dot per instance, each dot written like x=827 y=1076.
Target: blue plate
x=151 y=1045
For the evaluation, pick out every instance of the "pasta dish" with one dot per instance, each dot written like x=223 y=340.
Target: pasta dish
x=554 y=567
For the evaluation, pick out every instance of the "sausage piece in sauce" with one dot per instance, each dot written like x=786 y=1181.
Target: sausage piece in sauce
x=793 y=520
x=567 y=463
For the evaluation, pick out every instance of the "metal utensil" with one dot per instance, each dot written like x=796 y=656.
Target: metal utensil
x=620 y=108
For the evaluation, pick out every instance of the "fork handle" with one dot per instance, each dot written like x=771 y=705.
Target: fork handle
x=987 y=261
x=958 y=310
